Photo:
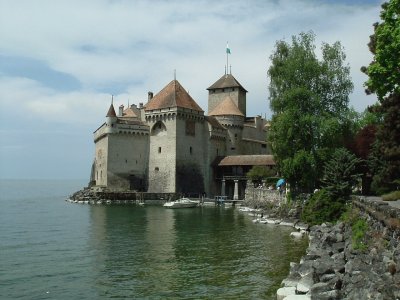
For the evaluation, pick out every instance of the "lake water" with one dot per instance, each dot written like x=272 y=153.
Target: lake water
x=53 y=249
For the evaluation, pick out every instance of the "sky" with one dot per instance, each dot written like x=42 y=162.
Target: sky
x=60 y=62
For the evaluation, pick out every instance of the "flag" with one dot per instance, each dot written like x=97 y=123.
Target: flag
x=228 y=50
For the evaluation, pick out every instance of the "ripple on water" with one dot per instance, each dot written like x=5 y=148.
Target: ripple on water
x=52 y=249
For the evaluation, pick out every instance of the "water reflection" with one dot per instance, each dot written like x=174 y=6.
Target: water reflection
x=199 y=253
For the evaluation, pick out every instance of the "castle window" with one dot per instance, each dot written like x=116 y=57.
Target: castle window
x=156 y=169
x=233 y=148
x=126 y=161
x=159 y=149
x=263 y=146
x=190 y=127
x=191 y=150
x=217 y=151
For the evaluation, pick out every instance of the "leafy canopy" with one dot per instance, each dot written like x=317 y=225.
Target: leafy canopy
x=384 y=70
x=258 y=173
x=309 y=100
x=384 y=80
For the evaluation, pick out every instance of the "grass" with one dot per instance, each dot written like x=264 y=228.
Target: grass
x=393 y=196
x=359 y=230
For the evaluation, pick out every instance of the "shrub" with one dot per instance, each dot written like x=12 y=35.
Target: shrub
x=393 y=196
x=322 y=208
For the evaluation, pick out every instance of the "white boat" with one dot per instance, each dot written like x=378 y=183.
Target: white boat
x=181 y=203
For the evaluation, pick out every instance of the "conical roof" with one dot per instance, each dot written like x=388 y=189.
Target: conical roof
x=226 y=81
x=226 y=108
x=111 y=111
x=172 y=95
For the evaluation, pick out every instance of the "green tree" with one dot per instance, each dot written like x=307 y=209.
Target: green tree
x=258 y=173
x=309 y=100
x=384 y=80
x=340 y=176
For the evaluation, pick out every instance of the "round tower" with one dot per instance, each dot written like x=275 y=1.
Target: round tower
x=230 y=116
x=111 y=119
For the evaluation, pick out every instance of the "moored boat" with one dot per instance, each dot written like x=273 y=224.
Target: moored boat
x=181 y=203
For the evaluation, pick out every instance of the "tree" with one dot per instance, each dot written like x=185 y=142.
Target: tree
x=309 y=100
x=340 y=177
x=258 y=173
x=340 y=174
x=384 y=80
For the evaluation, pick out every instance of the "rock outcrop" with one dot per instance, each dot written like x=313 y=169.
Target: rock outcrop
x=332 y=269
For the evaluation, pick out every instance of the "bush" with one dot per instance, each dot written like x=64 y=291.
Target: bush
x=258 y=173
x=322 y=208
x=393 y=196
x=358 y=236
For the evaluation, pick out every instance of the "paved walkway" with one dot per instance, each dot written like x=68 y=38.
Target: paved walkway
x=394 y=203
x=391 y=203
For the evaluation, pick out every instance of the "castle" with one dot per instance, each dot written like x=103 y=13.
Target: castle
x=169 y=145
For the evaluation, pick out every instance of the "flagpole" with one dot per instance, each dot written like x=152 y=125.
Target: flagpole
x=226 y=50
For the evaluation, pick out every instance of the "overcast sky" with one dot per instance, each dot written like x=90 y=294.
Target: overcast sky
x=60 y=61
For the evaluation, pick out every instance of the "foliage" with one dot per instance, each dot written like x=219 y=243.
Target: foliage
x=358 y=236
x=383 y=71
x=258 y=173
x=309 y=99
x=322 y=208
x=340 y=174
x=393 y=196
x=384 y=80
x=330 y=203
x=271 y=181
x=385 y=156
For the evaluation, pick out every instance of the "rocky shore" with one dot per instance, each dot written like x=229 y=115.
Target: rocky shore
x=332 y=269
x=358 y=258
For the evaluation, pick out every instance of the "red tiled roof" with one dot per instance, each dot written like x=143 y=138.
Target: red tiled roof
x=172 y=95
x=247 y=160
x=111 y=111
x=226 y=108
x=226 y=81
x=129 y=113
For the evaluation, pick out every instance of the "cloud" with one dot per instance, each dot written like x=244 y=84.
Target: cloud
x=60 y=61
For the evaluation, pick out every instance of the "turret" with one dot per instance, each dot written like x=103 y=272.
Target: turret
x=111 y=118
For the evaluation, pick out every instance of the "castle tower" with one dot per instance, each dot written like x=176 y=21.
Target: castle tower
x=229 y=116
x=121 y=147
x=176 y=141
x=227 y=85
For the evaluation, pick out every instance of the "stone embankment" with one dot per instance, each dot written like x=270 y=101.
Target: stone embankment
x=333 y=269
x=95 y=195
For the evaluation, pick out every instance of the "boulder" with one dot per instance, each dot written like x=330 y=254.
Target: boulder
x=297 y=297
x=305 y=284
x=282 y=293
x=296 y=234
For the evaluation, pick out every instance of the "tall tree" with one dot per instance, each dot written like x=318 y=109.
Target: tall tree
x=309 y=100
x=384 y=80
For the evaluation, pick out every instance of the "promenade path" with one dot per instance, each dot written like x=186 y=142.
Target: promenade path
x=391 y=203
